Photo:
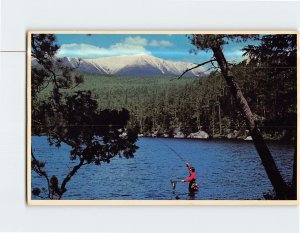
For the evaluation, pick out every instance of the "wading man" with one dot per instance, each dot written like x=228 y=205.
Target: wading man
x=193 y=187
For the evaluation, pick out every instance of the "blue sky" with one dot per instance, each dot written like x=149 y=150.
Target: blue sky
x=170 y=47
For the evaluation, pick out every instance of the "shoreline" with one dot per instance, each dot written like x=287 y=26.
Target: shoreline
x=220 y=139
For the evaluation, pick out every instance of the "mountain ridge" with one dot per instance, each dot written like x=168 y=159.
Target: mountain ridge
x=133 y=65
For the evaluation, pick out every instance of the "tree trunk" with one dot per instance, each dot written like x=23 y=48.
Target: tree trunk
x=68 y=178
x=199 y=120
x=220 y=124
x=268 y=162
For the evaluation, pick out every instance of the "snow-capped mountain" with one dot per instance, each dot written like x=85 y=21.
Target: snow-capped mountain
x=143 y=65
x=84 y=66
x=133 y=65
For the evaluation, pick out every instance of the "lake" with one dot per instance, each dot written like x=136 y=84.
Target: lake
x=226 y=170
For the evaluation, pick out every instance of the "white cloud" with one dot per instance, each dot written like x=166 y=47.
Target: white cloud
x=136 y=41
x=160 y=43
x=80 y=51
x=129 y=46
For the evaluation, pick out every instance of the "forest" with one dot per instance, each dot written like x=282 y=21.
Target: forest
x=162 y=106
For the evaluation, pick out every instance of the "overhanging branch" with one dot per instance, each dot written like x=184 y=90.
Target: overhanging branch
x=194 y=67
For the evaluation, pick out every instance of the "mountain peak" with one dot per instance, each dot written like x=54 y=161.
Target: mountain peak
x=135 y=65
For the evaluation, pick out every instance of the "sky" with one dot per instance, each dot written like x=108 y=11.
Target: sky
x=167 y=46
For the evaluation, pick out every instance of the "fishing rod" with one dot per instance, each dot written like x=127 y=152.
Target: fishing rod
x=174 y=182
x=178 y=155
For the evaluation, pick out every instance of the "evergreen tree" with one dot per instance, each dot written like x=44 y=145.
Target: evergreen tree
x=74 y=119
x=215 y=43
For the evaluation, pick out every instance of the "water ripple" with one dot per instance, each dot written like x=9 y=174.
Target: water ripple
x=226 y=170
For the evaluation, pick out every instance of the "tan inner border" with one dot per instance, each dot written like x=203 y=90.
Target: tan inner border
x=146 y=202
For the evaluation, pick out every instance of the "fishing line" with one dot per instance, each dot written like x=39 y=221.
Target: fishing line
x=175 y=181
x=178 y=155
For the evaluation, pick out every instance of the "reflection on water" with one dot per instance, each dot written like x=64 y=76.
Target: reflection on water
x=226 y=170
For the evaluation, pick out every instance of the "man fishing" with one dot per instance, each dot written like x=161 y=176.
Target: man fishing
x=193 y=187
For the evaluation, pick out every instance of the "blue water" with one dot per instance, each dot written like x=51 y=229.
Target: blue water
x=226 y=170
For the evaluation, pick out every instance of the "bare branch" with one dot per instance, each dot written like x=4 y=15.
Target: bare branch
x=212 y=63
x=210 y=68
x=194 y=67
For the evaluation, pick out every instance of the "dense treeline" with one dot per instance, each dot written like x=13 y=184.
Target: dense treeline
x=162 y=106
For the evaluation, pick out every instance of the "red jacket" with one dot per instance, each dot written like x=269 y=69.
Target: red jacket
x=192 y=174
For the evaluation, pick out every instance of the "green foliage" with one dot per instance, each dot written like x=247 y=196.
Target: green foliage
x=36 y=191
x=207 y=41
x=277 y=51
x=48 y=69
x=71 y=116
x=276 y=59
